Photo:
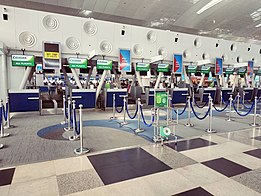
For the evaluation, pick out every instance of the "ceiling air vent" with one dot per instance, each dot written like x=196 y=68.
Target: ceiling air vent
x=197 y=43
x=106 y=47
x=50 y=23
x=90 y=28
x=138 y=50
x=163 y=51
x=27 y=39
x=72 y=43
x=151 y=36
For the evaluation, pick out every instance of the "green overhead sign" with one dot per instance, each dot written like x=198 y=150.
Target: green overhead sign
x=163 y=67
x=104 y=64
x=229 y=70
x=23 y=60
x=142 y=67
x=161 y=99
x=77 y=63
x=192 y=69
x=259 y=72
x=242 y=71
x=205 y=69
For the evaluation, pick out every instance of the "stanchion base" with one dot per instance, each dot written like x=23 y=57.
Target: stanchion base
x=10 y=127
x=211 y=131
x=74 y=137
x=139 y=130
x=82 y=151
x=229 y=120
x=1 y=146
x=5 y=135
x=63 y=123
x=157 y=139
x=254 y=125
x=189 y=125
x=67 y=129
x=124 y=123
x=113 y=118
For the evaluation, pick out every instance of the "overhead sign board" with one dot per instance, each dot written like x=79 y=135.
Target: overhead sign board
x=104 y=64
x=229 y=70
x=124 y=60
x=77 y=63
x=219 y=66
x=163 y=67
x=23 y=60
x=192 y=69
x=205 y=69
x=178 y=63
x=250 y=68
x=51 y=55
x=142 y=67
x=242 y=71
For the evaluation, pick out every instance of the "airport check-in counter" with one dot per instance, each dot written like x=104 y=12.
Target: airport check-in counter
x=226 y=92
x=258 y=92
x=248 y=93
x=179 y=95
x=86 y=97
x=206 y=92
x=118 y=99
x=26 y=100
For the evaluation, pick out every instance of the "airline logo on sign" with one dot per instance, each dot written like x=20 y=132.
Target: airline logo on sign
x=178 y=64
x=219 y=66
x=23 y=60
x=125 y=64
x=250 y=68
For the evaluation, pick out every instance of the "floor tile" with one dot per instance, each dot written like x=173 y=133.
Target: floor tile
x=190 y=144
x=200 y=174
x=245 y=160
x=226 y=167
x=99 y=191
x=256 y=153
x=25 y=173
x=215 y=138
x=229 y=187
x=126 y=164
x=196 y=191
x=6 y=176
x=4 y=190
x=250 y=179
x=78 y=181
x=69 y=165
x=40 y=187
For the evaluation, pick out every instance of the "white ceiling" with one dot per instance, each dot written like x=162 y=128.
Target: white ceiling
x=229 y=19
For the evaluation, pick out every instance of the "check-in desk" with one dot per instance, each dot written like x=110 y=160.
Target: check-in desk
x=86 y=97
x=179 y=95
x=226 y=92
x=25 y=100
x=248 y=93
x=206 y=92
x=118 y=99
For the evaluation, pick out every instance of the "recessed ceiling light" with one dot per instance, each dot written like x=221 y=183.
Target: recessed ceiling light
x=208 y=6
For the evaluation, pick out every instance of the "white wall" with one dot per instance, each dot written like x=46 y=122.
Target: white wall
x=21 y=20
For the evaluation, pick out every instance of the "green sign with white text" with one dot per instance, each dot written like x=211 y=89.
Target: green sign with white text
x=161 y=99
x=104 y=65
x=229 y=70
x=142 y=67
x=163 y=67
x=23 y=60
x=205 y=69
x=77 y=63
x=192 y=69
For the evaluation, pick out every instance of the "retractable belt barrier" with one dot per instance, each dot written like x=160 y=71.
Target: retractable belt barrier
x=2 y=114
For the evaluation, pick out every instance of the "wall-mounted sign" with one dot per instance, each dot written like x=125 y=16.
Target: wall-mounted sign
x=205 y=70
x=259 y=73
x=77 y=63
x=242 y=71
x=39 y=68
x=142 y=67
x=163 y=67
x=192 y=69
x=23 y=60
x=250 y=68
x=125 y=60
x=51 y=55
x=161 y=99
x=219 y=66
x=104 y=64
x=229 y=70
x=178 y=64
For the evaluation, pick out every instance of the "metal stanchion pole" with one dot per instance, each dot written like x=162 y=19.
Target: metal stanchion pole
x=238 y=99
x=243 y=100
x=75 y=136
x=254 y=124
x=124 y=111
x=210 y=117
x=139 y=130
x=189 y=124
x=230 y=108
x=177 y=116
x=156 y=130
x=68 y=128
x=64 y=110
x=113 y=108
x=81 y=150
x=221 y=99
x=2 y=134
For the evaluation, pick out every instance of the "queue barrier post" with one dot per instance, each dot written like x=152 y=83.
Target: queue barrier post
x=254 y=124
x=189 y=124
x=8 y=122
x=156 y=137
x=64 y=111
x=2 y=134
x=230 y=108
x=82 y=150
x=75 y=136
x=113 y=108
x=139 y=129
x=69 y=109
x=238 y=99
x=124 y=110
x=210 y=117
x=221 y=99
x=243 y=100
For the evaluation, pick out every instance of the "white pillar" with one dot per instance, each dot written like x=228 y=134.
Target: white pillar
x=139 y=80
x=3 y=82
x=101 y=83
x=25 y=78
x=76 y=77
x=158 y=80
x=202 y=79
